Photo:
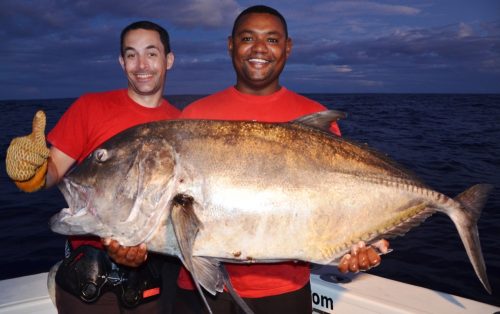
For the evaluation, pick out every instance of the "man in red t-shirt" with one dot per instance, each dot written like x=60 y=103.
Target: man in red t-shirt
x=89 y=122
x=259 y=47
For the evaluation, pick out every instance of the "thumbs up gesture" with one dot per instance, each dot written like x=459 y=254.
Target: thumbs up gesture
x=26 y=159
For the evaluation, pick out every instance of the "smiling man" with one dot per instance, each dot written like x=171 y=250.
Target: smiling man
x=88 y=281
x=145 y=62
x=259 y=47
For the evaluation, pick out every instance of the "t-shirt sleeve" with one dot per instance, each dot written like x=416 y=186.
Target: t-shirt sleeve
x=70 y=133
x=334 y=128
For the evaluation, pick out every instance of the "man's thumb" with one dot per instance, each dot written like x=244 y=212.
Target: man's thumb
x=39 y=122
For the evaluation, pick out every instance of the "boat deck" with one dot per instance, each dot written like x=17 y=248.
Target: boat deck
x=360 y=293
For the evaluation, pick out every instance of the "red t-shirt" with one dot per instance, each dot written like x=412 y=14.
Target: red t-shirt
x=93 y=119
x=256 y=280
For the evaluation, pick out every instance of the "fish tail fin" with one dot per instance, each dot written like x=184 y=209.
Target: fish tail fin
x=472 y=202
x=474 y=199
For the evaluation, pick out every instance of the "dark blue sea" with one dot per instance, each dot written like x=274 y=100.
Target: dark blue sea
x=450 y=141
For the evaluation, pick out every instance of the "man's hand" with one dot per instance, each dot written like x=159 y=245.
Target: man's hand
x=132 y=256
x=363 y=257
x=26 y=160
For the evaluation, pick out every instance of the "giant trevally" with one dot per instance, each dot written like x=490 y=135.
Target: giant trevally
x=246 y=192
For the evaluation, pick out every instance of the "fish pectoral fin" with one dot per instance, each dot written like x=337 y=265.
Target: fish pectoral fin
x=186 y=226
x=186 y=223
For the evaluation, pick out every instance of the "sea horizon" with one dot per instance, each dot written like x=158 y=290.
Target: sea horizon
x=302 y=93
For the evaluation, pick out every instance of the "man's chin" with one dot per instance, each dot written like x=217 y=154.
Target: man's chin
x=143 y=90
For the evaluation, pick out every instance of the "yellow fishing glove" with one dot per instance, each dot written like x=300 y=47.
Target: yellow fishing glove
x=26 y=159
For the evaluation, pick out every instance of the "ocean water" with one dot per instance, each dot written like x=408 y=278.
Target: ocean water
x=450 y=141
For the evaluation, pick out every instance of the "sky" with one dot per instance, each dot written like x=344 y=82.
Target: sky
x=64 y=48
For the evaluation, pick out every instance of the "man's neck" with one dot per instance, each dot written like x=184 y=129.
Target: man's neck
x=149 y=101
x=258 y=90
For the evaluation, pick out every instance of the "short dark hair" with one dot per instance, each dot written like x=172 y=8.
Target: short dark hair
x=259 y=9
x=164 y=37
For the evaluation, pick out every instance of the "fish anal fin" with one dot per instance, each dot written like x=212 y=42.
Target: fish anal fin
x=408 y=216
x=208 y=273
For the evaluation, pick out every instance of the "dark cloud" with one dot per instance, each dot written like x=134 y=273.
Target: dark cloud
x=186 y=13
x=363 y=8
x=63 y=48
x=53 y=47
x=463 y=49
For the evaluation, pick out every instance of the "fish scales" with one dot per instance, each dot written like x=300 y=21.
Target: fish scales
x=255 y=149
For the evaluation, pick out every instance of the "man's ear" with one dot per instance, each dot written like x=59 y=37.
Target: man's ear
x=122 y=63
x=230 y=45
x=170 y=60
x=288 y=48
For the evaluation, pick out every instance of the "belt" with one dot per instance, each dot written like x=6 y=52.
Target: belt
x=87 y=272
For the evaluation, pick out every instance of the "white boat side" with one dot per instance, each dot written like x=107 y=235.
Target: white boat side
x=363 y=293
x=27 y=294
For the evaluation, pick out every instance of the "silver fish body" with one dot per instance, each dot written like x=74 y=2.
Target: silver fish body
x=245 y=192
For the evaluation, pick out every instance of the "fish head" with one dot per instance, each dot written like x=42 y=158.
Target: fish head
x=121 y=190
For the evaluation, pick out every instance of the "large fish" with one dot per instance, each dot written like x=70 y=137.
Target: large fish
x=245 y=192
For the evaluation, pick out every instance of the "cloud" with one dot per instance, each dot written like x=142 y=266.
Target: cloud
x=56 y=43
x=454 y=44
x=67 y=47
x=363 y=8
x=211 y=13
x=187 y=13
x=418 y=56
x=56 y=14
x=464 y=30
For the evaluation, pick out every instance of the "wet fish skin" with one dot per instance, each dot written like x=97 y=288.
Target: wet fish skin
x=239 y=191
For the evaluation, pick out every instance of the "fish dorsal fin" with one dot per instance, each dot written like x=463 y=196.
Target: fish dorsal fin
x=321 y=120
x=186 y=225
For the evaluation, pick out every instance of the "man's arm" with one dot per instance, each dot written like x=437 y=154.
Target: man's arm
x=58 y=165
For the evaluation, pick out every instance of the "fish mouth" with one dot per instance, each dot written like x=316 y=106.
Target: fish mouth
x=80 y=217
x=78 y=197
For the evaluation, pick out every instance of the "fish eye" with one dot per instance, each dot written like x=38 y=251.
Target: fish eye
x=101 y=155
